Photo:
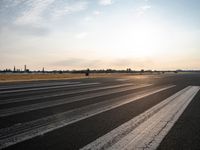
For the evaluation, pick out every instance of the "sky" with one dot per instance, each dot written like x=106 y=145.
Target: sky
x=100 y=34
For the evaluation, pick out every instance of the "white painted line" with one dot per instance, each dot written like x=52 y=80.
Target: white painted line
x=52 y=87
x=34 y=85
x=21 y=132
x=148 y=129
x=122 y=79
x=27 y=108
x=7 y=101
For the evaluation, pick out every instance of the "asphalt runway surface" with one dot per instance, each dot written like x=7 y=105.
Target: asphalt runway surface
x=133 y=112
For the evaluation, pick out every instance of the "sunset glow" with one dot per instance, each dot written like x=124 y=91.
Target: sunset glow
x=100 y=34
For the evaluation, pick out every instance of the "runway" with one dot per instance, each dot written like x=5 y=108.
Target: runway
x=133 y=112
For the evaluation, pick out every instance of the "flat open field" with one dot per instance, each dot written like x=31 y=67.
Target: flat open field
x=56 y=76
x=28 y=77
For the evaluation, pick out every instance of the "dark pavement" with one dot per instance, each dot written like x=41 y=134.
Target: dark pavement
x=185 y=134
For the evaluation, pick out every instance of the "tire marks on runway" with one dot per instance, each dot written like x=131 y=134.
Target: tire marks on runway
x=24 y=131
x=50 y=95
x=148 y=129
x=27 y=108
x=51 y=87
x=34 y=85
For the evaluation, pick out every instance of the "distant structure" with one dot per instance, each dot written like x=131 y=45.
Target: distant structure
x=25 y=68
x=87 y=73
x=128 y=70
x=142 y=71
x=14 y=70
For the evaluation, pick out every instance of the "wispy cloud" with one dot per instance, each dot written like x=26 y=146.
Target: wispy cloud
x=142 y=10
x=33 y=14
x=82 y=63
x=37 y=15
x=88 y=18
x=96 y=12
x=81 y=35
x=69 y=8
x=92 y=16
x=105 y=2
x=78 y=63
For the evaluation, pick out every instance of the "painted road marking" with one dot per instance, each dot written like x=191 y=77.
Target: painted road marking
x=41 y=105
x=7 y=101
x=148 y=129
x=52 y=87
x=122 y=79
x=34 y=85
x=28 y=130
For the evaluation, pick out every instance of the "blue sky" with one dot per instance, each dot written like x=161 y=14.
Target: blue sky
x=97 y=34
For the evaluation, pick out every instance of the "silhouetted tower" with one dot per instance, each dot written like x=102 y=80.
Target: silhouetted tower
x=14 y=69
x=43 y=69
x=24 y=68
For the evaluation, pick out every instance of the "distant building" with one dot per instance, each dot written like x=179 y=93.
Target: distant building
x=25 y=68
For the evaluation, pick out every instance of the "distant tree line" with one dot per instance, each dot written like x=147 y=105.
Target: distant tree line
x=88 y=71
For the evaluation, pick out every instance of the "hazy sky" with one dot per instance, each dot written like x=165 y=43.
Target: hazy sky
x=79 y=34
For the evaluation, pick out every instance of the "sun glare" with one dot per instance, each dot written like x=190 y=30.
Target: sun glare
x=139 y=40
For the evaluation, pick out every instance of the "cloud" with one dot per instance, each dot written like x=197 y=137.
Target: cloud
x=105 y=2
x=81 y=35
x=36 y=12
x=33 y=13
x=88 y=18
x=76 y=7
x=96 y=12
x=135 y=63
x=36 y=16
x=77 y=63
x=69 y=8
x=145 y=7
x=92 y=16
x=81 y=63
x=142 y=10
